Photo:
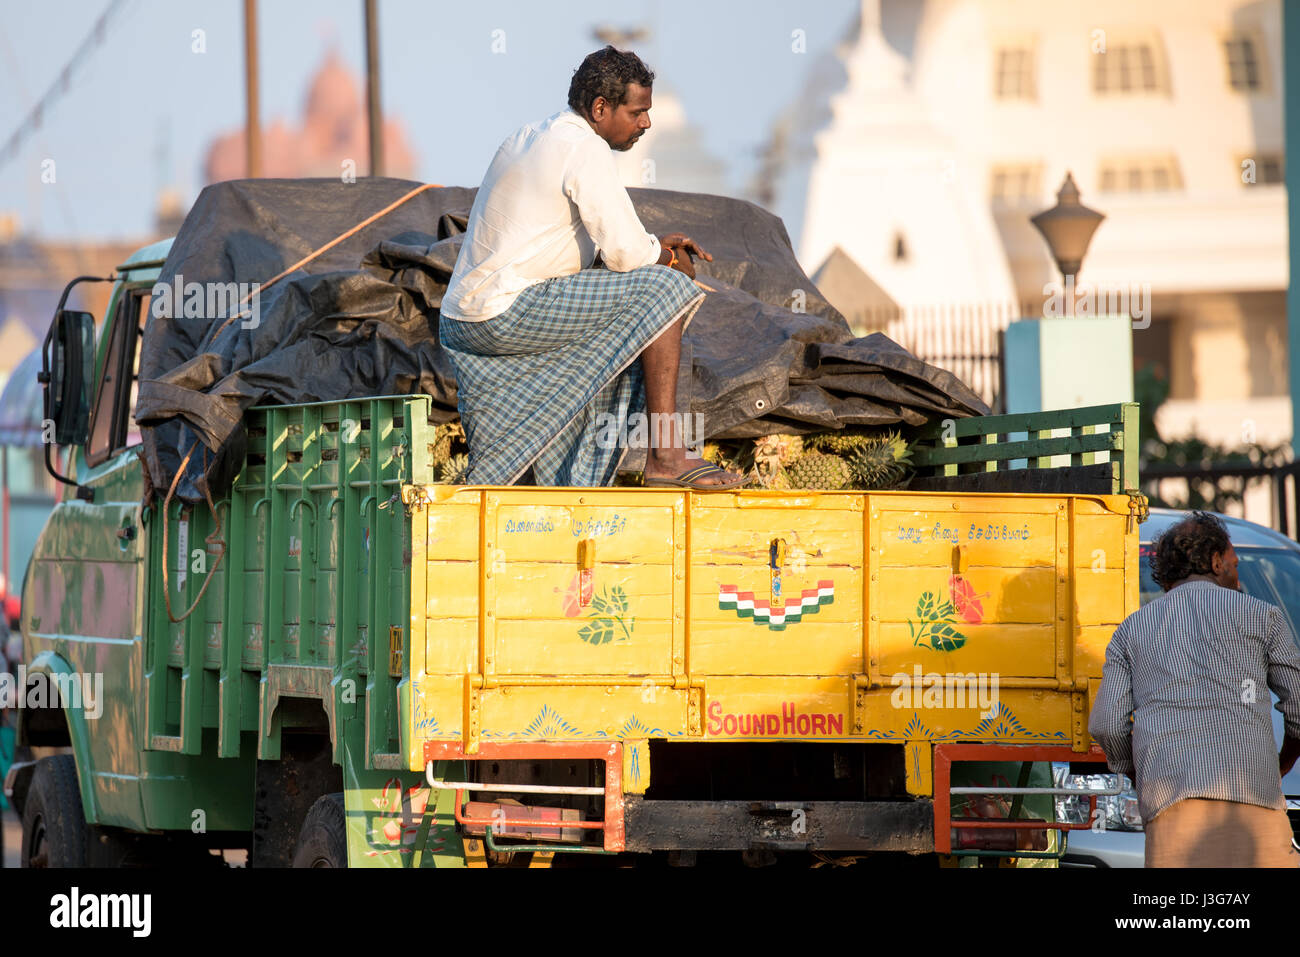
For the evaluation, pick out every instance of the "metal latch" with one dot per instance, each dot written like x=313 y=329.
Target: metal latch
x=395 y=651
x=1139 y=510
x=775 y=562
x=586 y=570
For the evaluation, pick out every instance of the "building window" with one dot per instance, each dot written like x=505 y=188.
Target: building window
x=1015 y=183
x=1149 y=174
x=1243 y=64
x=1262 y=169
x=1014 y=74
x=1129 y=67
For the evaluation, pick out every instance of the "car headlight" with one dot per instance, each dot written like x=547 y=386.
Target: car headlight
x=1120 y=811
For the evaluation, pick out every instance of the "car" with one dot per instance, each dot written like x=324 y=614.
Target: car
x=1269 y=569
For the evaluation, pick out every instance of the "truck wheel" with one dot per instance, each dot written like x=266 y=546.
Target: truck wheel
x=54 y=824
x=323 y=840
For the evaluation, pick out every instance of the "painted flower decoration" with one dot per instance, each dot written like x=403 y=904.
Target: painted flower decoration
x=570 y=602
x=965 y=601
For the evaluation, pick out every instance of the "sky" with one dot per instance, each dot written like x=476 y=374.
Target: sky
x=141 y=106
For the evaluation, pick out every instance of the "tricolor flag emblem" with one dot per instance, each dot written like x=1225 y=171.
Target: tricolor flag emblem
x=776 y=618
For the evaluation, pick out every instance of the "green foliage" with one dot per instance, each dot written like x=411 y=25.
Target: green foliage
x=1151 y=389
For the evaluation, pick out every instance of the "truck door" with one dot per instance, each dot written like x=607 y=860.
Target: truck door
x=85 y=590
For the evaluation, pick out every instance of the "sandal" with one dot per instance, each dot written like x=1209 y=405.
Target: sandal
x=691 y=479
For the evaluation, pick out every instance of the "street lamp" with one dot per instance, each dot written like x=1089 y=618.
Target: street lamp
x=1068 y=227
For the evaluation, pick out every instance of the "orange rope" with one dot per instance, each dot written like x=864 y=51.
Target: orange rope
x=342 y=236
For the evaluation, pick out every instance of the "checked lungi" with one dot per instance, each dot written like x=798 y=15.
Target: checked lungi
x=538 y=384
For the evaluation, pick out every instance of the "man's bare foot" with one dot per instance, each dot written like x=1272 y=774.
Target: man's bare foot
x=663 y=464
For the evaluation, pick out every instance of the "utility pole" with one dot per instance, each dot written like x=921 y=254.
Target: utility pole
x=252 y=124
x=372 y=90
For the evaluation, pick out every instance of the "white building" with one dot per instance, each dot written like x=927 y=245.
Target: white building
x=947 y=123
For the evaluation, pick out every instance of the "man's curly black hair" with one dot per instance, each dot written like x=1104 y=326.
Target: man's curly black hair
x=1188 y=548
x=606 y=73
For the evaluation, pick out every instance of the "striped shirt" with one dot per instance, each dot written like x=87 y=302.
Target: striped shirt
x=1184 y=697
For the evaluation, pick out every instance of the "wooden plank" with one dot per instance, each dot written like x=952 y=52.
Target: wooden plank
x=1100 y=479
x=1128 y=476
x=1041 y=448
x=541 y=646
x=230 y=693
x=1027 y=421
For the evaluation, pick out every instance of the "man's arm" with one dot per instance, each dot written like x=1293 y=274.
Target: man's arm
x=1284 y=681
x=591 y=181
x=1111 y=721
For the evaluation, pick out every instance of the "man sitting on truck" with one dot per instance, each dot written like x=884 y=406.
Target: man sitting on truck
x=1184 y=707
x=544 y=346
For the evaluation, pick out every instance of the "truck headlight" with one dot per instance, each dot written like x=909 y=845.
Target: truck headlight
x=1120 y=810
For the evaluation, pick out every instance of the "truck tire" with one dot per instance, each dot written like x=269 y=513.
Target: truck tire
x=54 y=824
x=323 y=840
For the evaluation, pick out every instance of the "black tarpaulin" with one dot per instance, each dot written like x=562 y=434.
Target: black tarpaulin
x=765 y=352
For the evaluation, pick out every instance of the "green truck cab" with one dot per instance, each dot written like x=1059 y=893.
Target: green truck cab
x=326 y=664
x=126 y=686
x=86 y=592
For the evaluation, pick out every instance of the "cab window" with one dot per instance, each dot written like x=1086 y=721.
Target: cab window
x=112 y=422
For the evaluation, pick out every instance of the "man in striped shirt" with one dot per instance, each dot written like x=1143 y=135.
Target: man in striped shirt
x=1184 y=708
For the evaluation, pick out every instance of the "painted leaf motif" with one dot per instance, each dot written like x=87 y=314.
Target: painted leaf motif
x=925 y=606
x=944 y=637
x=600 y=605
x=597 y=631
x=618 y=600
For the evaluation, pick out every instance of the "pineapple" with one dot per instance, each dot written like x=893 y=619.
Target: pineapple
x=772 y=453
x=820 y=471
x=445 y=438
x=844 y=442
x=454 y=471
x=881 y=462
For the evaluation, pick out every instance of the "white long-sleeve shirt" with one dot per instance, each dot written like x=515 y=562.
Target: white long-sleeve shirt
x=550 y=199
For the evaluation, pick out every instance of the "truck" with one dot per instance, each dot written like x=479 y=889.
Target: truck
x=343 y=662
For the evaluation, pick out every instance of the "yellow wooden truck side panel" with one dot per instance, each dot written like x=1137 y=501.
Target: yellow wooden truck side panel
x=901 y=617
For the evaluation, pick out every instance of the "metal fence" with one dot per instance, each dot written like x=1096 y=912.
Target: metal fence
x=965 y=339
x=1283 y=482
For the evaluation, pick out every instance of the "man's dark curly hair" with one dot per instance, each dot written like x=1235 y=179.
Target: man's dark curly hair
x=1188 y=548
x=606 y=73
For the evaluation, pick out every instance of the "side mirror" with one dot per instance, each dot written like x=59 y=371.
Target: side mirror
x=67 y=377
x=68 y=374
